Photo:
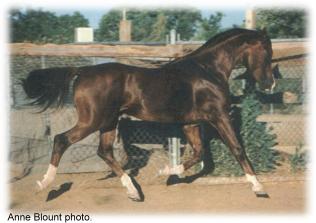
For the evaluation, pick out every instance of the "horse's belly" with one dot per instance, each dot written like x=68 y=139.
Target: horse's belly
x=165 y=116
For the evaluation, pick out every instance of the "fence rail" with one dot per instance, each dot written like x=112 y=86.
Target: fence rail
x=117 y=51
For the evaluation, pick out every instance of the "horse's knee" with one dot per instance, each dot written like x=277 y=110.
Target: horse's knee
x=100 y=152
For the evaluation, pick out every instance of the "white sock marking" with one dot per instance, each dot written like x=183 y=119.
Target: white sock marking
x=256 y=185
x=127 y=182
x=176 y=170
x=48 y=177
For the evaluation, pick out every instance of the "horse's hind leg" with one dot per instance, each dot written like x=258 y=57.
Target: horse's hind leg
x=227 y=133
x=61 y=143
x=89 y=119
x=105 y=151
x=193 y=136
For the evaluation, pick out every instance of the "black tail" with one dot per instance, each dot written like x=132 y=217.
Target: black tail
x=48 y=86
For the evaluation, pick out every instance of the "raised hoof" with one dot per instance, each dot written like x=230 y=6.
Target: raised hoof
x=262 y=194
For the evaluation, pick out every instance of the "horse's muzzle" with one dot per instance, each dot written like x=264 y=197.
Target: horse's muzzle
x=267 y=85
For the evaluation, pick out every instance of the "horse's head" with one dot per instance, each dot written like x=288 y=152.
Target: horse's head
x=259 y=56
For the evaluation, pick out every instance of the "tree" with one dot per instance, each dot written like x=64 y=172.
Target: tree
x=184 y=21
x=208 y=27
x=282 y=23
x=44 y=26
x=150 y=25
x=142 y=23
x=67 y=25
x=109 y=26
x=159 y=29
x=32 y=25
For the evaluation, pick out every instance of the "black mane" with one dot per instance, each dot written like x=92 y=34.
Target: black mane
x=217 y=39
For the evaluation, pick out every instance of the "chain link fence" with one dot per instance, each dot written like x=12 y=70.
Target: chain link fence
x=145 y=144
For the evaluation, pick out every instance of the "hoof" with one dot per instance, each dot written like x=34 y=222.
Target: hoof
x=135 y=198
x=41 y=185
x=134 y=190
x=173 y=180
x=262 y=194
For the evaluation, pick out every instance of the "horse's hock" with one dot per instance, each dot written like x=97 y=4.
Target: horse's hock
x=144 y=151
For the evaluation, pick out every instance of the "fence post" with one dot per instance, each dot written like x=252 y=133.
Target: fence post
x=174 y=151
x=167 y=39
x=125 y=28
x=173 y=36
x=250 y=19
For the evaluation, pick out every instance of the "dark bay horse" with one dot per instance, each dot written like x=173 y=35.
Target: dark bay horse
x=189 y=90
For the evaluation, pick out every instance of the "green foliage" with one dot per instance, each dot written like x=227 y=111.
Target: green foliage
x=224 y=161
x=150 y=25
x=281 y=23
x=256 y=139
x=142 y=23
x=67 y=25
x=298 y=160
x=43 y=26
x=109 y=26
x=208 y=27
x=185 y=21
x=32 y=25
x=147 y=25
x=159 y=29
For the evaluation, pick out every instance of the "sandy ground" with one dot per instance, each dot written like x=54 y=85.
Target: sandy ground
x=90 y=193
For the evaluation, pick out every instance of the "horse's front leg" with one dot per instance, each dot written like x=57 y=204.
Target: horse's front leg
x=105 y=151
x=227 y=133
x=193 y=136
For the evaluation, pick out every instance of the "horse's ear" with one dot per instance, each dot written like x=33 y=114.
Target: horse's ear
x=264 y=31
x=276 y=72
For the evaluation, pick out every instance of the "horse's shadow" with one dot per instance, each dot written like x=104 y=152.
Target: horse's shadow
x=53 y=194
x=138 y=138
x=135 y=133
x=208 y=134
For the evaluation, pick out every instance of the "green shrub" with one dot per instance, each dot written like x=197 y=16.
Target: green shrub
x=298 y=160
x=256 y=139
